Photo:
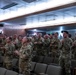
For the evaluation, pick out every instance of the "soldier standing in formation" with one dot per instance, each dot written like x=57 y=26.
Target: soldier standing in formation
x=65 y=53
x=74 y=50
x=25 y=57
x=8 y=55
x=54 y=46
x=46 y=45
x=39 y=44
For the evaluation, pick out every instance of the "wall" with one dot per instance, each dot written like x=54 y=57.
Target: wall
x=10 y=32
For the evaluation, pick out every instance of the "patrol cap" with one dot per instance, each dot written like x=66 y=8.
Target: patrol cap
x=65 y=32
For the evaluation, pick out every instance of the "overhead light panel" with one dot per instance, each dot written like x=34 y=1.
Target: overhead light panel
x=33 y=9
x=9 y=6
x=29 y=1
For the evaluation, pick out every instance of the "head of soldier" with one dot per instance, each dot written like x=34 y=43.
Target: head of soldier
x=20 y=38
x=15 y=36
x=39 y=35
x=46 y=36
x=25 y=40
x=56 y=34
x=8 y=40
x=65 y=34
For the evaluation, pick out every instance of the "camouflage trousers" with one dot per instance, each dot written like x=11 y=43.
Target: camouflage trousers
x=54 y=54
x=7 y=62
x=24 y=67
x=46 y=51
x=7 y=65
x=65 y=62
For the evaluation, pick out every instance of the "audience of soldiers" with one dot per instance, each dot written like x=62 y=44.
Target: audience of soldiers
x=24 y=48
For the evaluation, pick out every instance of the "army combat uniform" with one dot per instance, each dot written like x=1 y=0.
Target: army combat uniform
x=74 y=50
x=1 y=45
x=46 y=46
x=8 y=55
x=54 y=49
x=65 y=55
x=25 y=59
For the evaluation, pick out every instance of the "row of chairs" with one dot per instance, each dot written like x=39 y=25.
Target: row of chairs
x=48 y=60
x=4 y=71
x=73 y=67
x=36 y=69
x=45 y=59
x=51 y=69
x=40 y=59
x=43 y=69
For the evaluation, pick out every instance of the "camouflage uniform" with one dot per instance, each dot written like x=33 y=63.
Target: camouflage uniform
x=18 y=45
x=65 y=54
x=8 y=55
x=40 y=46
x=74 y=50
x=34 y=41
x=46 y=46
x=25 y=59
x=1 y=45
x=54 y=48
x=3 y=41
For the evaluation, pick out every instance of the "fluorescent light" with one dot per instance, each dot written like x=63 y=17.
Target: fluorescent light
x=43 y=6
x=35 y=30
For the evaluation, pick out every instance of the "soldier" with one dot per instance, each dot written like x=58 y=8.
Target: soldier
x=8 y=55
x=39 y=44
x=25 y=57
x=15 y=40
x=3 y=42
x=51 y=37
x=19 y=43
x=34 y=41
x=65 y=53
x=46 y=44
x=74 y=50
x=30 y=41
x=3 y=39
x=1 y=45
x=54 y=45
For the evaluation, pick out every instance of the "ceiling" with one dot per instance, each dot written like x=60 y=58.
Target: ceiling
x=15 y=4
x=6 y=4
x=51 y=15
